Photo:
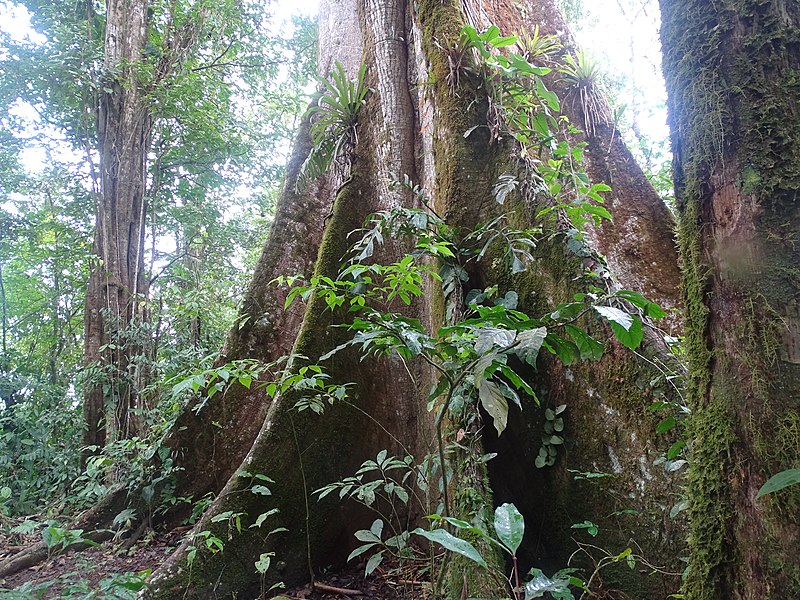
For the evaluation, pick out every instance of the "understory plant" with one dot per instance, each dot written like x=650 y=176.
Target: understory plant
x=480 y=359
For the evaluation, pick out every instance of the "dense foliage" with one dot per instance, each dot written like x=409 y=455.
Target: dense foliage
x=222 y=127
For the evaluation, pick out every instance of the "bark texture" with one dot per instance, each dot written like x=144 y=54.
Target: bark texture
x=212 y=436
x=732 y=69
x=413 y=124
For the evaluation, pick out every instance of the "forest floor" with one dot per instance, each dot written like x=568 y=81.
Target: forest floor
x=104 y=573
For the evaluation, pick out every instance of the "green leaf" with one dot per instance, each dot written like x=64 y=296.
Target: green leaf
x=263 y=517
x=635 y=298
x=589 y=347
x=779 y=481
x=529 y=343
x=678 y=508
x=666 y=424
x=591 y=528
x=630 y=337
x=488 y=337
x=615 y=315
x=566 y=350
x=373 y=563
x=360 y=550
x=494 y=403
x=548 y=97
x=263 y=562
x=450 y=542
x=557 y=587
x=509 y=526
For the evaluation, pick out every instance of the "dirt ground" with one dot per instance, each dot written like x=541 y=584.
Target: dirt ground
x=105 y=574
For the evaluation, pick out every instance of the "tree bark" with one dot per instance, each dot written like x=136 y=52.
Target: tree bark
x=734 y=105
x=413 y=124
x=211 y=442
x=115 y=341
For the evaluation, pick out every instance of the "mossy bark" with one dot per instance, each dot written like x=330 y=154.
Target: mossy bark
x=609 y=427
x=732 y=71
x=638 y=244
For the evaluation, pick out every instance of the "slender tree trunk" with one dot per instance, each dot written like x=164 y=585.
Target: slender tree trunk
x=732 y=70
x=118 y=287
x=413 y=124
x=8 y=394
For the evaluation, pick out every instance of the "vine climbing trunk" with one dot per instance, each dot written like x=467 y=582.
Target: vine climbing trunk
x=413 y=124
x=732 y=70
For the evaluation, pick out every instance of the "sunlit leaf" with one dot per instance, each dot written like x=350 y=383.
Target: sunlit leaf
x=450 y=542
x=509 y=526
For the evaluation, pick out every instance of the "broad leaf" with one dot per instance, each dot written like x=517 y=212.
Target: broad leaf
x=488 y=337
x=541 y=584
x=481 y=366
x=494 y=403
x=615 y=315
x=589 y=347
x=529 y=344
x=373 y=563
x=778 y=482
x=450 y=542
x=566 y=350
x=509 y=526
x=630 y=337
x=360 y=550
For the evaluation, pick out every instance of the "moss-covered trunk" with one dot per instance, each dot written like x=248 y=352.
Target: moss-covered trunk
x=732 y=72
x=414 y=124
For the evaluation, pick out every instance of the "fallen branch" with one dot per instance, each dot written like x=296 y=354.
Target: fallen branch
x=39 y=552
x=128 y=544
x=337 y=590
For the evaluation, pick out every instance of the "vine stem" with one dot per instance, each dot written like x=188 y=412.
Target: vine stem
x=305 y=498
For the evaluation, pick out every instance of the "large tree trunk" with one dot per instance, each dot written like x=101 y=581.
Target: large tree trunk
x=413 y=124
x=118 y=287
x=734 y=103
x=639 y=244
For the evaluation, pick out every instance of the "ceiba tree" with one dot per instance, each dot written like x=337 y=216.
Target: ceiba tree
x=413 y=124
x=732 y=76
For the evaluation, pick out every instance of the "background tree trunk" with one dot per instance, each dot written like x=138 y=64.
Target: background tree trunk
x=117 y=290
x=734 y=104
x=414 y=124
